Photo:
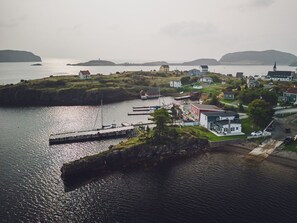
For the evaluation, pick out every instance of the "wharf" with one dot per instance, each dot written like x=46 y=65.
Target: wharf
x=90 y=135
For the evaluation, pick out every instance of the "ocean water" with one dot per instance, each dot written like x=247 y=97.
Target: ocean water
x=210 y=187
x=14 y=72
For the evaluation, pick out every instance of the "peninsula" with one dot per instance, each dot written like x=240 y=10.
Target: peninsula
x=18 y=56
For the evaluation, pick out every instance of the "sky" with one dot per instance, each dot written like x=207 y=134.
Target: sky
x=147 y=30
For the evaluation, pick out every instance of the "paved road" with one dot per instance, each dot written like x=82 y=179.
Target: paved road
x=285 y=111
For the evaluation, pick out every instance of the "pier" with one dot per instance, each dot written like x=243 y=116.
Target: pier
x=90 y=135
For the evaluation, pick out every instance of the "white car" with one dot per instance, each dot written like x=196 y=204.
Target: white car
x=258 y=133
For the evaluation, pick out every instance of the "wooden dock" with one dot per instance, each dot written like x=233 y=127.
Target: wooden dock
x=90 y=135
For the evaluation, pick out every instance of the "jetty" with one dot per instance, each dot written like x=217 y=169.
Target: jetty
x=89 y=135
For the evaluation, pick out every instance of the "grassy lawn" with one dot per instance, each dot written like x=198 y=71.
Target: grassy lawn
x=201 y=132
x=291 y=147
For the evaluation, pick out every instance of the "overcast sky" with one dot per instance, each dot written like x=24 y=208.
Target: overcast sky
x=147 y=30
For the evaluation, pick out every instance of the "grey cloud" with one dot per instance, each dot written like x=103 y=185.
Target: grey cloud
x=188 y=29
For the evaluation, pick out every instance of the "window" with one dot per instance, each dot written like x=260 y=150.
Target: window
x=232 y=129
x=236 y=128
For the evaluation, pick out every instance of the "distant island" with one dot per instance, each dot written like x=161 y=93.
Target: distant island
x=18 y=56
x=268 y=57
x=197 y=62
x=203 y=61
x=94 y=63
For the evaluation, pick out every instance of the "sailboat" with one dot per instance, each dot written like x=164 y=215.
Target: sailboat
x=102 y=125
x=106 y=131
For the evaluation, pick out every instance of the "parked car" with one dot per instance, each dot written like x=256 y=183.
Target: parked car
x=258 y=133
x=288 y=140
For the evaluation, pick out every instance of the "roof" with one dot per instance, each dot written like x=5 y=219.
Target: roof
x=280 y=74
x=239 y=72
x=292 y=91
x=229 y=92
x=221 y=113
x=206 y=107
x=165 y=66
x=85 y=72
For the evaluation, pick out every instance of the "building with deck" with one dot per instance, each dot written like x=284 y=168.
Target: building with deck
x=222 y=122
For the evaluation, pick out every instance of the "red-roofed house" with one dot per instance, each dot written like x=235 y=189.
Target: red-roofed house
x=84 y=74
x=291 y=95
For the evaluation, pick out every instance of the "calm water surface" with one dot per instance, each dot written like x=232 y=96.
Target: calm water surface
x=14 y=72
x=211 y=187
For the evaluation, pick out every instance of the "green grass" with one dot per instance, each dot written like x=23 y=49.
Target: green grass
x=201 y=132
x=247 y=126
x=291 y=147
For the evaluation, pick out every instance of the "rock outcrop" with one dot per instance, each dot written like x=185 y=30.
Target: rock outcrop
x=140 y=155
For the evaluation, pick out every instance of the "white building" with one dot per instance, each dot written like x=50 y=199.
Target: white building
x=224 y=122
x=204 y=69
x=207 y=80
x=164 y=68
x=84 y=74
x=175 y=84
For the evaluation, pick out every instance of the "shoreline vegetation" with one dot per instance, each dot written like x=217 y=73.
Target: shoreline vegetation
x=71 y=90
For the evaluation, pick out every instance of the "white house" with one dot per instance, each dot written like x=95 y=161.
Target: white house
x=84 y=74
x=164 y=68
x=207 y=80
x=223 y=122
x=175 y=84
x=204 y=69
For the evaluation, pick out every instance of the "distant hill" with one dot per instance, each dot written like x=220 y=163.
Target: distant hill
x=94 y=63
x=18 y=56
x=267 y=57
x=199 y=62
x=155 y=63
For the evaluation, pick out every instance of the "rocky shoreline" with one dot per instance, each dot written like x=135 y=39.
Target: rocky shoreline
x=146 y=155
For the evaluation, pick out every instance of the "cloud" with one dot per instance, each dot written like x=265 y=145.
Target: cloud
x=261 y=3
x=188 y=29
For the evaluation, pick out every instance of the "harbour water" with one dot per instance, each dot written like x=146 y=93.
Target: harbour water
x=211 y=187
x=14 y=72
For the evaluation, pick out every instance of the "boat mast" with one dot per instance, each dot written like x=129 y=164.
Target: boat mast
x=102 y=114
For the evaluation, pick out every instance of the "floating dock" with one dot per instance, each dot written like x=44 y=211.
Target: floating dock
x=90 y=135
